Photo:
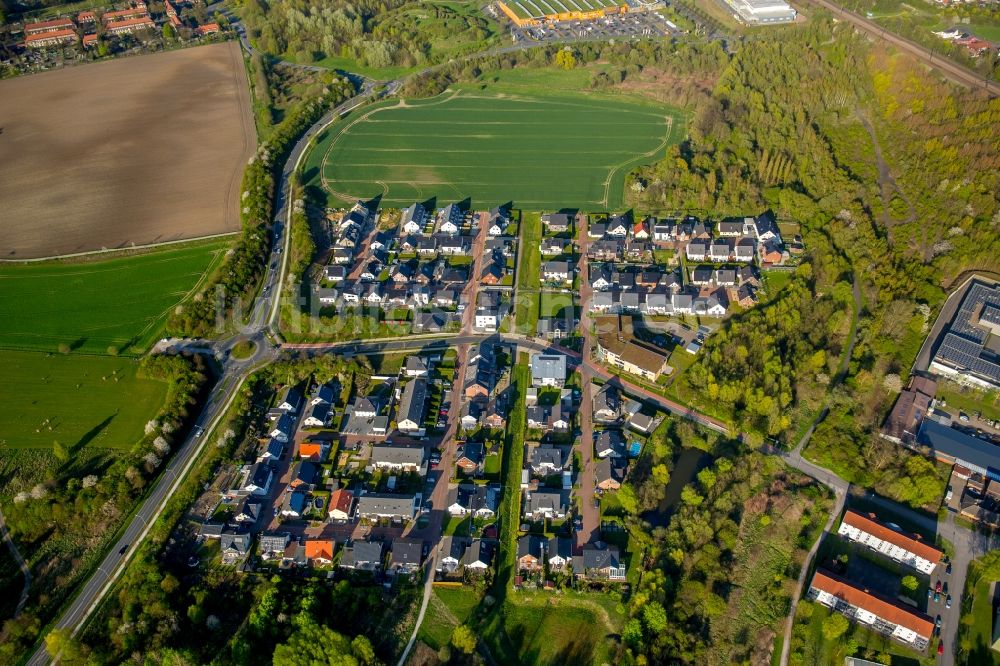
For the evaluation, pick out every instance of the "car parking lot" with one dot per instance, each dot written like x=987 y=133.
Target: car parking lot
x=634 y=25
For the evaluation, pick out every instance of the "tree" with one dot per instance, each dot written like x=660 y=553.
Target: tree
x=565 y=58
x=169 y=34
x=909 y=583
x=64 y=348
x=654 y=616
x=632 y=633
x=317 y=644
x=834 y=626
x=60 y=643
x=463 y=639
x=60 y=451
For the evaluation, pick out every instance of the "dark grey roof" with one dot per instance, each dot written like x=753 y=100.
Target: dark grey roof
x=530 y=544
x=398 y=454
x=259 y=474
x=305 y=471
x=479 y=551
x=610 y=469
x=548 y=366
x=547 y=455
x=561 y=547
x=360 y=553
x=384 y=504
x=594 y=558
x=411 y=404
x=274 y=542
x=239 y=541
x=473 y=452
x=544 y=499
x=965 y=449
x=293 y=396
x=407 y=551
x=294 y=501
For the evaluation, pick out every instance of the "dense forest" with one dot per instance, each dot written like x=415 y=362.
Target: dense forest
x=372 y=33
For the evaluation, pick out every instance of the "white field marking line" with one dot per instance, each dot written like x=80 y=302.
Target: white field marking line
x=119 y=249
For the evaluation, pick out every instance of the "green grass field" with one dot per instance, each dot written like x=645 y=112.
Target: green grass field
x=76 y=399
x=92 y=305
x=541 y=152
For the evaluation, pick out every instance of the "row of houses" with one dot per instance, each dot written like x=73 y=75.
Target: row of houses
x=656 y=303
x=403 y=556
x=136 y=17
x=485 y=401
x=536 y=554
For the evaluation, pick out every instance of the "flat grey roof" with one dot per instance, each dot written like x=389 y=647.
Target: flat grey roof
x=958 y=445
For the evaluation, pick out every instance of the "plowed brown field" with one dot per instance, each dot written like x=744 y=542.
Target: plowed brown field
x=136 y=150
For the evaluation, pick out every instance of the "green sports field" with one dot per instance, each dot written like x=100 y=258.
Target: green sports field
x=76 y=399
x=92 y=305
x=540 y=152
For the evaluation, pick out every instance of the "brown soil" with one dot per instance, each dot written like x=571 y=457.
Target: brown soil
x=137 y=150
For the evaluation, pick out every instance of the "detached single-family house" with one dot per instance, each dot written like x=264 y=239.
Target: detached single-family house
x=362 y=556
x=318 y=416
x=607 y=404
x=293 y=505
x=557 y=271
x=610 y=472
x=234 y=545
x=558 y=223
x=559 y=551
x=405 y=556
x=479 y=501
x=449 y=219
x=478 y=556
x=272 y=546
x=618 y=226
x=701 y=275
x=291 y=400
x=469 y=457
x=415 y=366
x=544 y=504
x=551 y=246
x=548 y=370
x=282 y=430
x=340 y=504
x=259 y=479
x=304 y=474
x=249 y=510
x=640 y=230
x=320 y=551
x=696 y=250
x=497 y=221
x=452 y=552
x=599 y=563
x=609 y=443
x=663 y=232
x=547 y=460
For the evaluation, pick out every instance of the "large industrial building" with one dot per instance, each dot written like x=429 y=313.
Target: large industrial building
x=534 y=12
x=760 y=12
x=969 y=351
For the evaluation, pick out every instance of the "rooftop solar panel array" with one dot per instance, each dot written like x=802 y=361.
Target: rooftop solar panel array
x=964 y=346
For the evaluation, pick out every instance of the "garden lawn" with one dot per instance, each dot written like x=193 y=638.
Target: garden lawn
x=92 y=305
x=448 y=607
x=978 y=629
x=556 y=304
x=541 y=152
x=74 y=399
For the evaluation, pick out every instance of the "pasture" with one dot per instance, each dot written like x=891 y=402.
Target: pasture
x=541 y=152
x=93 y=305
x=134 y=150
x=76 y=399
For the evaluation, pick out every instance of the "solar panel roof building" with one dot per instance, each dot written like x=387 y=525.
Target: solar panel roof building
x=970 y=348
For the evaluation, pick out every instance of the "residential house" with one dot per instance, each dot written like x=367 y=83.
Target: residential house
x=427 y=246
x=610 y=472
x=554 y=328
x=405 y=556
x=454 y=276
x=656 y=303
x=398 y=457
x=769 y=253
x=544 y=504
x=618 y=226
x=640 y=230
x=701 y=275
x=730 y=228
x=908 y=549
x=304 y=474
x=493 y=274
x=293 y=504
x=413 y=219
x=559 y=552
x=557 y=271
x=617 y=346
x=599 y=563
x=326 y=296
x=548 y=370
x=881 y=614
x=497 y=221
x=318 y=416
x=558 y=223
x=291 y=399
x=547 y=419
x=340 y=504
x=720 y=250
x=487 y=319
x=597 y=230
x=551 y=246
x=410 y=414
x=744 y=251
x=272 y=546
x=452 y=552
x=640 y=422
x=609 y=443
x=547 y=460
x=746 y=296
x=234 y=545
x=454 y=245
x=470 y=457
x=709 y=306
x=398 y=508
x=319 y=552
x=682 y=303
x=249 y=510
x=283 y=429
x=600 y=277
x=480 y=501
x=259 y=479
x=450 y=219
x=478 y=556
x=663 y=232
x=273 y=451
x=362 y=556
x=606 y=250
x=725 y=277
x=530 y=553
x=748 y=275
x=607 y=404
x=415 y=366
x=696 y=250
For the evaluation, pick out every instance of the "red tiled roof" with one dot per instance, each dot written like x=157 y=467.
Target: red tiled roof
x=142 y=21
x=860 y=598
x=341 y=500
x=51 y=34
x=319 y=548
x=55 y=24
x=310 y=449
x=864 y=523
x=90 y=39
x=132 y=12
x=207 y=29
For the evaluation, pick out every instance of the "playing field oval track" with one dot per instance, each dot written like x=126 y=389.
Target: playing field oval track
x=539 y=152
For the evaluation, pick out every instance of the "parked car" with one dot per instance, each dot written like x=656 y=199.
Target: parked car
x=937 y=622
x=937 y=597
x=947 y=601
x=930 y=592
x=940 y=648
x=947 y=569
x=937 y=588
